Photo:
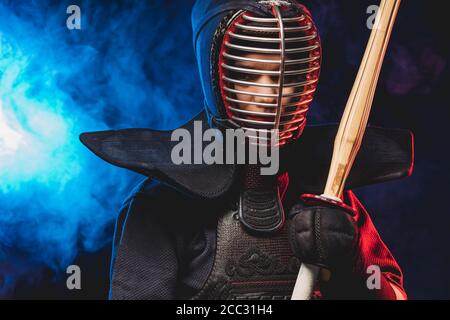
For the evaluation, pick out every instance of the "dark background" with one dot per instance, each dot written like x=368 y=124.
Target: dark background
x=411 y=215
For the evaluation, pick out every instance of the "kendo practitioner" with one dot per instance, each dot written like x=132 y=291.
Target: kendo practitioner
x=226 y=231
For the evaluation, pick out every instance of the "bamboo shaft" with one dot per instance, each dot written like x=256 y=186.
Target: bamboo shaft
x=354 y=121
x=353 y=124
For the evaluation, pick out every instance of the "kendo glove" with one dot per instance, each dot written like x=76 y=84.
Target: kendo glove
x=329 y=237
x=323 y=236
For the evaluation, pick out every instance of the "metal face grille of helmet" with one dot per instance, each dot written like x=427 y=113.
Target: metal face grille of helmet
x=269 y=69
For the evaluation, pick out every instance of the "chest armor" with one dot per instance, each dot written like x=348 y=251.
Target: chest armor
x=250 y=267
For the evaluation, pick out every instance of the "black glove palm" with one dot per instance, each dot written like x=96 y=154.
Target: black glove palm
x=323 y=236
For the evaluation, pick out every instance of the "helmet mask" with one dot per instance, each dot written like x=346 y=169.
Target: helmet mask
x=260 y=75
x=266 y=71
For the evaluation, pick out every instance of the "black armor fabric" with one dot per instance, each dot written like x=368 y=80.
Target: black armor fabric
x=166 y=234
x=385 y=155
x=248 y=266
x=260 y=207
x=172 y=246
x=178 y=237
x=161 y=251
x=169 y=245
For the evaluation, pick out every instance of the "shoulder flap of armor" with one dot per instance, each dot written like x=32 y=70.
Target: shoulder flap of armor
x=386 y=154
x=149 y=152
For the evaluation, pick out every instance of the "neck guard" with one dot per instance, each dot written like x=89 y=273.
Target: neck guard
x=386 y=154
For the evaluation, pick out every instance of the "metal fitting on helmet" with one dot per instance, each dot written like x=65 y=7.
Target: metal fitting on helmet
x=268 y=71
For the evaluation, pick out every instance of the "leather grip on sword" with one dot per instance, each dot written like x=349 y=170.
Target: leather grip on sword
x=353 y=124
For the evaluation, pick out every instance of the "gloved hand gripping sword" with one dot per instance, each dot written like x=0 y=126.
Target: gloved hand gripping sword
x=352 y=128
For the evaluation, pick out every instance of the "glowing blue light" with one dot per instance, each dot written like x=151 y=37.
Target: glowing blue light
x=56 y=198
x=34 y=134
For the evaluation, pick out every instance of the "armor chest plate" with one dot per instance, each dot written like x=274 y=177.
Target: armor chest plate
x=248 y=266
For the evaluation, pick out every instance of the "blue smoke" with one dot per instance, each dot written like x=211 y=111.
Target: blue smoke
x=132 y=65
x=126 y=67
